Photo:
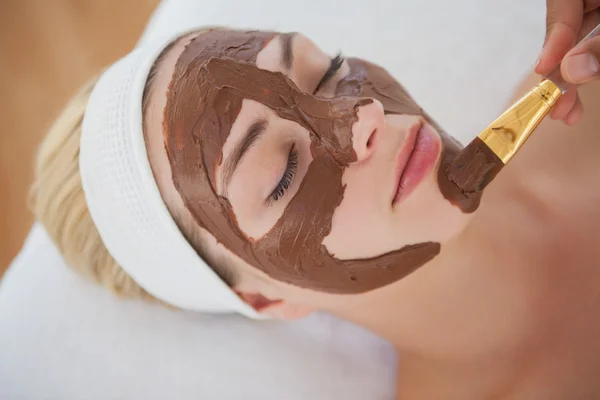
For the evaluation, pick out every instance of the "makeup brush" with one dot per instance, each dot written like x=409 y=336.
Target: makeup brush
x=478 y=163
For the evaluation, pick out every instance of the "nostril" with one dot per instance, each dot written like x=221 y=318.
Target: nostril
x=371 y=139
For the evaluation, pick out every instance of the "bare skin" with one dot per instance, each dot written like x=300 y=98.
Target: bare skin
x=518 y=313
x=508 y=310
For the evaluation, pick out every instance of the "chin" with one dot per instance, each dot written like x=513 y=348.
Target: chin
x=429 y=215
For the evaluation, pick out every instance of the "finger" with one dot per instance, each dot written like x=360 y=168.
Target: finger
x=563 y=22
x=590 y=21
x=574 y=116
x=564 y=105
x=590 y=5
x=581 y=63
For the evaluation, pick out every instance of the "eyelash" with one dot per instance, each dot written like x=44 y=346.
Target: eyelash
x=288 y=176
x=336 y=64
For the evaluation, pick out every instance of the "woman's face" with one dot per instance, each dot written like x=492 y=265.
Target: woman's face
x=321 y=172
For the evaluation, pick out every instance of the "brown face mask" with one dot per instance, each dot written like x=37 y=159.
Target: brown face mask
x=213 y=75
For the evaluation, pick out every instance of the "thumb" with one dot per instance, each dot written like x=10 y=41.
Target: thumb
x=580 y=64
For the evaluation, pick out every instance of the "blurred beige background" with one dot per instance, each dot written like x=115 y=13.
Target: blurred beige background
x=48 y=48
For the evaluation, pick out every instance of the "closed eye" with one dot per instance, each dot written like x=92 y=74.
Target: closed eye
x=286 y=178
x=334 y=66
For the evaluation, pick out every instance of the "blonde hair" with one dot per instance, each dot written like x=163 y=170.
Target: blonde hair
x=58 y=202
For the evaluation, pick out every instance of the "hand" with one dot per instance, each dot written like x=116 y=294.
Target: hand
x=567 y=22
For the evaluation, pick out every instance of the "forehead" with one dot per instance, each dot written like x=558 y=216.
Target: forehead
x=207 y=43
x=165 y=67
x=158 y=85
x=239 y=45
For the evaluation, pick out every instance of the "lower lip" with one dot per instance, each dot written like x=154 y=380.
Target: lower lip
x=422 y=159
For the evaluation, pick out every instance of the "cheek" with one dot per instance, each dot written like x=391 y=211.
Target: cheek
x=428 y=216
x=358 y=222
x=365 y=225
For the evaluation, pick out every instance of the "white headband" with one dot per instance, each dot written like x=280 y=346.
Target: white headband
x=124 y=200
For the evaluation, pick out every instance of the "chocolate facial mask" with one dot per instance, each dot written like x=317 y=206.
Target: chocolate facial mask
x=462 y=181
x=213 y=75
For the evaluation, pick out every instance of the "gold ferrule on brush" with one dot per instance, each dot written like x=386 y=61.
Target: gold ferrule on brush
x=508 y=133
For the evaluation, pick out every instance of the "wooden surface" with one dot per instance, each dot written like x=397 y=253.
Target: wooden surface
x=48 y=48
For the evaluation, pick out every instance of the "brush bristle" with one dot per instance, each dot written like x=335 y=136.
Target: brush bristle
x=463 y=179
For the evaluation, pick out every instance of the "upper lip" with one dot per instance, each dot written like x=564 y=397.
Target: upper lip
x=405 y=153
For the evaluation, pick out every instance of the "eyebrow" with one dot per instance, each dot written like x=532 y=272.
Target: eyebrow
x=251 y=137
x=287 y=55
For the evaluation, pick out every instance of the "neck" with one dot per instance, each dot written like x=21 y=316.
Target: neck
x=470 y=303
x=448 y=292
x=438 y=318
x=398 y=312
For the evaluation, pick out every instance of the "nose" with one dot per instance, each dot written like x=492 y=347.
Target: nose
x=368 y=130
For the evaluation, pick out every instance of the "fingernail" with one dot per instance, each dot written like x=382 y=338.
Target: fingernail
x=581 y=67
x=538 y=60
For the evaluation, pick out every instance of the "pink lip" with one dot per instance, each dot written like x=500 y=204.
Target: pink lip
x=418 y=156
